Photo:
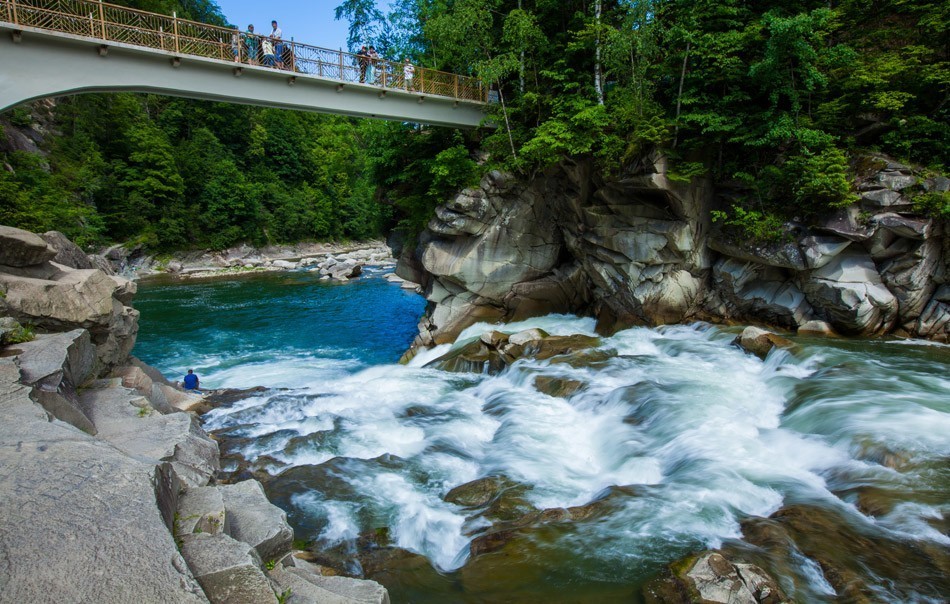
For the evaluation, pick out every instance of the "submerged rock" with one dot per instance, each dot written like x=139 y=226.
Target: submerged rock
x=848 y=557
x=494 y=351
x=711 y=578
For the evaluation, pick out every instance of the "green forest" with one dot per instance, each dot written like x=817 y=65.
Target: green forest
x=774 y=100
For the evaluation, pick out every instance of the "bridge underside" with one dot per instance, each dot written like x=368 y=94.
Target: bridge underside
x=36 y=65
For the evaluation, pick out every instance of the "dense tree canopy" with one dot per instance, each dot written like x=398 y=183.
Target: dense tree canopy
x=772 y=99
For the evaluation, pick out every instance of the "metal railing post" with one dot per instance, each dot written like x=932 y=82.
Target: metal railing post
x=11 y=9
x=384 y=67
x=175 y=26
x=293 y=56
x=161 y=36
x=456 y=86
x=102 y=21
x=342 y=76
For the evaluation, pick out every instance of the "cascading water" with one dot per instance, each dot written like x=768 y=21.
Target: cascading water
x=670 y=442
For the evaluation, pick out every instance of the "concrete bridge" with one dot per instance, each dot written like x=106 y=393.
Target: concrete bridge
x=61 y=47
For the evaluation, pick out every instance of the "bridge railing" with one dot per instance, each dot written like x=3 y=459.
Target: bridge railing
x=118 y=24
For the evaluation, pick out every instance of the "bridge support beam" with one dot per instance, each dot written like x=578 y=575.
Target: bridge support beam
x=44 y=64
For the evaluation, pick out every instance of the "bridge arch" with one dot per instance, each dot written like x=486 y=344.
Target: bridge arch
x=49 y=52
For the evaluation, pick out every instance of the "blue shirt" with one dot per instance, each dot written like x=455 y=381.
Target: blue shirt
x=191 y=381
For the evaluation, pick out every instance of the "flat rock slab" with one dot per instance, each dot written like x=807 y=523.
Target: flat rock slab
x=23 y=248
x=306 y=587
x=78 y=519
x=128 y=422
x=254 y=520
x=228 y=570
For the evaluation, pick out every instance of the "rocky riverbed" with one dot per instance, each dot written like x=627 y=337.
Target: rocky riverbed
x=109 y=487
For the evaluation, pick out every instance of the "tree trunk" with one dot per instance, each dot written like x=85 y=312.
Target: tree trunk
x=679 y=96
x=598 y=77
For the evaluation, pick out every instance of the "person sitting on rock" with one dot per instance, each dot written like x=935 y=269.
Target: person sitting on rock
x=191 y=380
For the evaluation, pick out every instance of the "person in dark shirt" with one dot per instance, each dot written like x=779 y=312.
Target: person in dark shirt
x=191 y=380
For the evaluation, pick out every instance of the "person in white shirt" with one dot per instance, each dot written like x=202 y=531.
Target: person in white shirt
x=408 y=71
x=276 y=34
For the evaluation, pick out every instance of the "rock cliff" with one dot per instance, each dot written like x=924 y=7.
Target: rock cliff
x=107 y=488
x=641 y=250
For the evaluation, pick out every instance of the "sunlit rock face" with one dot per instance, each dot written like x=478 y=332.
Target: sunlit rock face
x=639 y=249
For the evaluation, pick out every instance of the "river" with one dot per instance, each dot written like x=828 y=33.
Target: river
x=674 y=442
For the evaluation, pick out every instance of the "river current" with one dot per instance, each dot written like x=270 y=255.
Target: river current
x=672 y=445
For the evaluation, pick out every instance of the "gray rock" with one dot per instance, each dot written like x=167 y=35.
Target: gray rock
x=819 y=250
x=522 y=338
x=348 y=269
x=719 y=581
x=23 y=248
x=55 y=366
x=201 y=510
x=128 y=422
x=909 y=278
x=846 y=223
x=883 y=198
x=284 y=264
x=934 y=321
x=136 y=378
x=103 y=536
x=254 y=520
x=816 y=327
x=911 y=228
x=125 y=289
x=782 y=255
x=308 y=586
x=757 y=291
x=896 y=180
x=851 y=296
x=760 y=342
x=229 y=571
x=101 y=263
x=939 y=184
x=67 y=253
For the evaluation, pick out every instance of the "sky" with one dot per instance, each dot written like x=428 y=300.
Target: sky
x=306 y=21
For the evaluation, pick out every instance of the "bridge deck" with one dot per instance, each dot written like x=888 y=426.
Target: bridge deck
x=58 y=47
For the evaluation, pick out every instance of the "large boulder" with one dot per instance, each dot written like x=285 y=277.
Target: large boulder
x=229 y=571
x=757 y=290
x=20 y=248
x=760 y=342
x=67 y=253
x=254 y=520
x=849 y=292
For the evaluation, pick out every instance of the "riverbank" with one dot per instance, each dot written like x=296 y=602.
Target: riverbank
x=337 y=261
x=109 y=488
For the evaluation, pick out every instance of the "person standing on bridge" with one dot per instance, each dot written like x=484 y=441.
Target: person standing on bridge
x=236 y=44
x=408 y=71
x=276 y=34
x=267 y=50
x=373 y=58
x=250 y=45
x=362 y=59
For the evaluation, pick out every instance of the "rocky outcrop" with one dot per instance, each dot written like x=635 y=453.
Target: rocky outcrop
x=54 y=297
x=640 y=249
x=711 y=578
x=108 y=470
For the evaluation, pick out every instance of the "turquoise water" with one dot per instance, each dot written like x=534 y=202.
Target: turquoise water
x=677 y=441
x=273 y=329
